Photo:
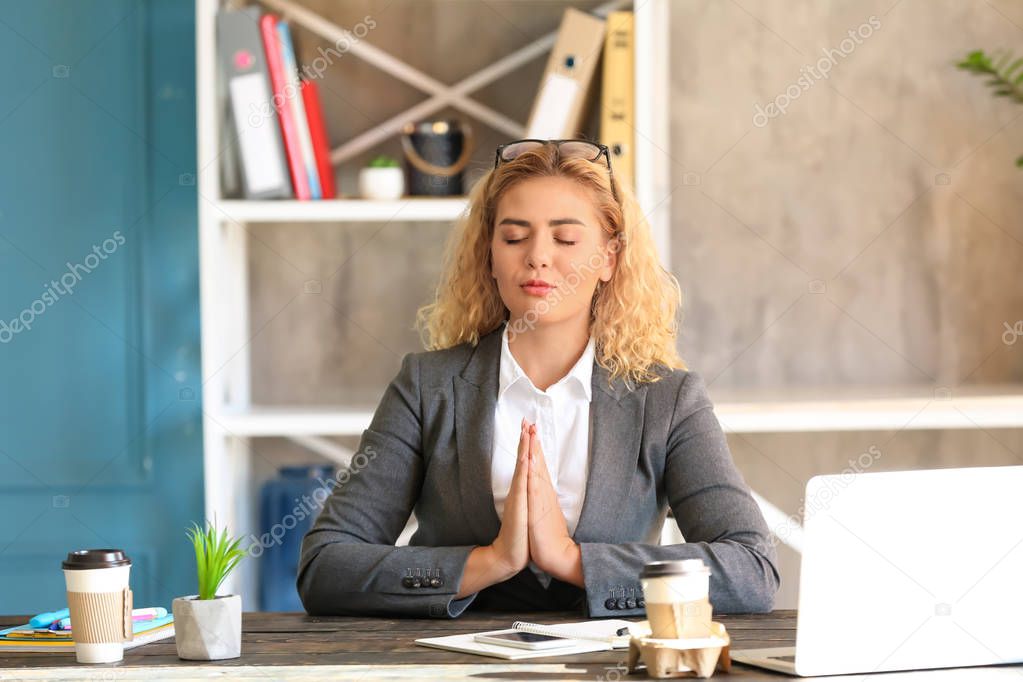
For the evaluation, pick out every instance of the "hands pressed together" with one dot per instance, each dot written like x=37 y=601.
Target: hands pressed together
x=533 y=526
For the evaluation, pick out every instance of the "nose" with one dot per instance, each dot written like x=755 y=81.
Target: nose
x=538 y=255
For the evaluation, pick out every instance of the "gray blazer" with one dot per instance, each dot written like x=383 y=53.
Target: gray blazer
x=428 y=450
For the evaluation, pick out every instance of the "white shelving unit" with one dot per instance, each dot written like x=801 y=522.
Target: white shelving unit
x=341 y=210
x=231 y=420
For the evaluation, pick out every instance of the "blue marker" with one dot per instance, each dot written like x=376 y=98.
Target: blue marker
x=44 y=619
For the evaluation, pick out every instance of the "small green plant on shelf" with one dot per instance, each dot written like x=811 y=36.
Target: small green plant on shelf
x=1005 y=75
x=216 y=555
x=383 y=161
x=382 y=178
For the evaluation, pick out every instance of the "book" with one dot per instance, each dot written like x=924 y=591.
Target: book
x=297 y=104
x=321 y=143
x=143 y=632
x=594 y=635
x=280 y=103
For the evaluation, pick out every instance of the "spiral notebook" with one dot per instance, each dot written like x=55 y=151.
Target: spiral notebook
x=590 y=635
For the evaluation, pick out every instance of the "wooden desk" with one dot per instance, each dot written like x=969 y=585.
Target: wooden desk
x=292 y=646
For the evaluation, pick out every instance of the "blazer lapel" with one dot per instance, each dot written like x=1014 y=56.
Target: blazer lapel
x=475 y=400
x=616 y=428
x=616 y=432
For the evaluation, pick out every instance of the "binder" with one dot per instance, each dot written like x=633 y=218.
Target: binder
x=285 y=114
x=297 y=104
x=618 y=105
x=263 y=171
x=321 y=142
x=567 y=87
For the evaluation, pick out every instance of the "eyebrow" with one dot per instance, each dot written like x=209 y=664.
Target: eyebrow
x=555 y=222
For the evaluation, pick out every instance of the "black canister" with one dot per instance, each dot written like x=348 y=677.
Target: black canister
x=436 y=153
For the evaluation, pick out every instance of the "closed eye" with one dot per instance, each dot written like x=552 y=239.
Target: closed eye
x=516 y=241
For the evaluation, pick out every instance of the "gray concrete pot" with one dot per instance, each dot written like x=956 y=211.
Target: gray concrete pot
x=208 y=629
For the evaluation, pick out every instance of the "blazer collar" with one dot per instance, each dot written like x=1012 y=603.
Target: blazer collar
x=616 y=428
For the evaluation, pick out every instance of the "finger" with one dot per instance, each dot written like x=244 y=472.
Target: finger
x=522 y=458
x=531 y=467
x=536 y=439
x=534 y=469
x=536 y=458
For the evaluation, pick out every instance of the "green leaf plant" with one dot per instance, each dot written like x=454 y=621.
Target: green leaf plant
x=216 y=555
x=1004 y=72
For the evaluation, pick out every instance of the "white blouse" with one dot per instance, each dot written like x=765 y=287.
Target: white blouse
x=562 y=418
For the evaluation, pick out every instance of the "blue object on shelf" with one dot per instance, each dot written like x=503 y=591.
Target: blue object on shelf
x=288 y=506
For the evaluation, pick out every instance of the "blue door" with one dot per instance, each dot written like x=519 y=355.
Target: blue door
x=100 y=429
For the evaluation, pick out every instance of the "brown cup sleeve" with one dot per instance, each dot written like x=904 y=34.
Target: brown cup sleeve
x=129 y=632
x=101 y=617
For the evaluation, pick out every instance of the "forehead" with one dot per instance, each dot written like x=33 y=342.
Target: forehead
x=540 y=199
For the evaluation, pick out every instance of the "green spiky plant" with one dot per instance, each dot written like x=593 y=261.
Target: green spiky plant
x=216 y=555
x=1005 y=74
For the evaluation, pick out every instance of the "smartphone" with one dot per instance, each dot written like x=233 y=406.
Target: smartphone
x=523 y=640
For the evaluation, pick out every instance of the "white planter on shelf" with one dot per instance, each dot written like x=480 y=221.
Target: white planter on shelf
x=386 y=182
x=208 y=629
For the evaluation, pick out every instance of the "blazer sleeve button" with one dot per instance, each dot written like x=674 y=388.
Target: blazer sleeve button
x=611 y=604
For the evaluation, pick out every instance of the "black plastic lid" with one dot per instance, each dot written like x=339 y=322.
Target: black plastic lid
x=86 y=559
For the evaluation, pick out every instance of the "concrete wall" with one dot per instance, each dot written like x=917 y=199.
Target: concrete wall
x=867 y=238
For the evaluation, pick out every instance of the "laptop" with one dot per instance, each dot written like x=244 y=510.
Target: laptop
x=907 y=570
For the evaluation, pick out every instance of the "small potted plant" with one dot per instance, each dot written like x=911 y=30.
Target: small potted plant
x=382 y=178
x=208 y=626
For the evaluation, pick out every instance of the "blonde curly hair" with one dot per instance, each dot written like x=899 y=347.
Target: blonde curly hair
x=633 y=315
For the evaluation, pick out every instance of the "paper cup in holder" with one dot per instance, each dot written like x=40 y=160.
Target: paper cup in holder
x=677 y=598
x=100 y=601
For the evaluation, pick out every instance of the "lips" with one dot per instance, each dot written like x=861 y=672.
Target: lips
x=537 y=287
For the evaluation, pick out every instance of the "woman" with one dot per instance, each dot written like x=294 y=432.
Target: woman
x=554 y=315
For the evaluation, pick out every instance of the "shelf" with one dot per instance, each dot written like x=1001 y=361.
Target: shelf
x=915 y=408
x=420 y=209
x=982 y=407
x=263 y=421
